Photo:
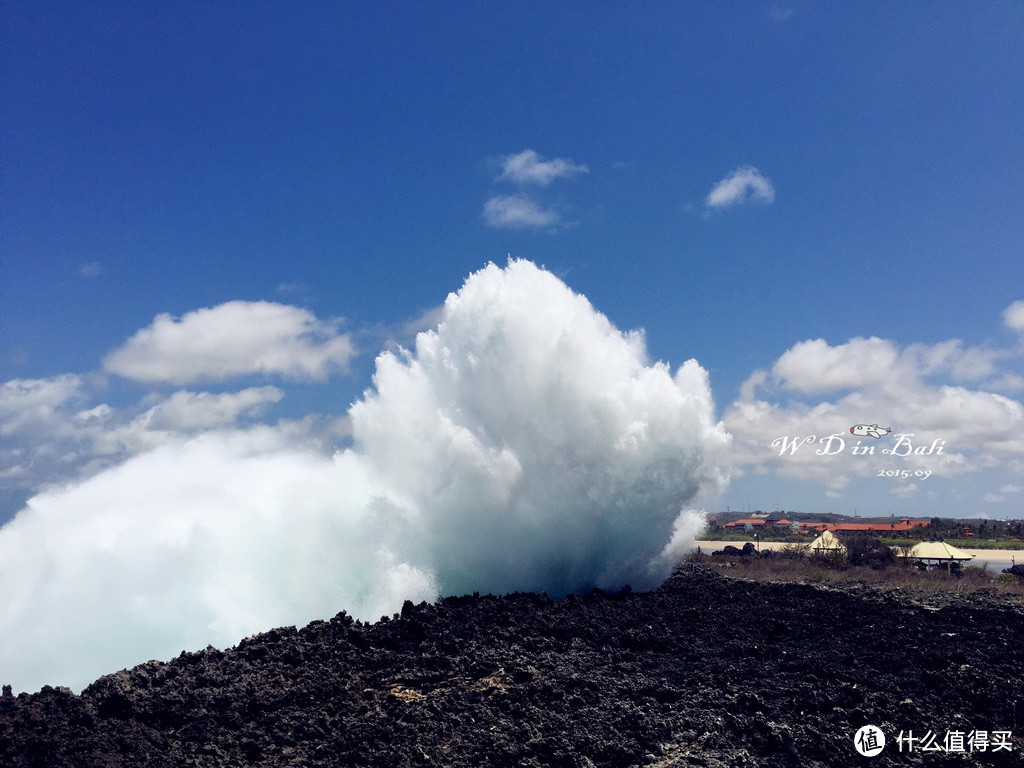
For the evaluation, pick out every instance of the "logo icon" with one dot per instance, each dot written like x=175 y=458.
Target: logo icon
x=869 y=430
x=869 y=740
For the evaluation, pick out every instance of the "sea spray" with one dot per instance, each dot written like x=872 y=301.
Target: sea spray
x=523 y=444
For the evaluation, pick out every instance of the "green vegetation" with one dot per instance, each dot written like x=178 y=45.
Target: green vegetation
x=732 y=534
x=890 y=541
x=986 y=544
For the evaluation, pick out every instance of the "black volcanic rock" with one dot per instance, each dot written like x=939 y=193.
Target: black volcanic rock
x=706 y=671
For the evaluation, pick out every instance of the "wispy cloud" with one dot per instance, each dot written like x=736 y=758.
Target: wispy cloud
x=26 y=402
x=185 y=411
x=233 y=339
x=53 y=430
x=995 y=498
x=427 y=320
x=91 y=269
x=744 y=185
x=518 y=212
x=396 y=336
x=522 y=210
x=528 y=167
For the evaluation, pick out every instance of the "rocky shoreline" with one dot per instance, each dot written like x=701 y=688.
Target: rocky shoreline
x=707 y=671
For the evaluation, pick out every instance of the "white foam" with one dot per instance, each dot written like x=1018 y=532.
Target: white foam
x=525 y=444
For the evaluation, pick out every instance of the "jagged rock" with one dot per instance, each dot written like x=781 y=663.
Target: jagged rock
x=706 y=671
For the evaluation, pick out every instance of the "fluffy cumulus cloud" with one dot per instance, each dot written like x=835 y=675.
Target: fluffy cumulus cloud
x=518 y=212
x=939 y=396
x=524 y=443
x=744 y=185
x=54 y=429
x=1013 y=316
x=528 y=167
x=814 y=366
x=233 y=339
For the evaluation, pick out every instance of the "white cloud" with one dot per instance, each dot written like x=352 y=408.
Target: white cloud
x=528 y=167
x=1008 y=382
x=814 y=366
x=26 y=403
x=977 y=363
x=404 y=334
x=39 y=434
x=233 y=339
x=91 y=269
x=745 y=184
x=523 y=211
x=873 y=380
x=1013 y=316
x=518 y=212
x=49 y=437
x=106 y=435
x=186 y=411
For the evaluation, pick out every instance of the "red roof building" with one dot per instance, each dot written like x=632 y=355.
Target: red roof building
x=741 y=523
x=903 y=524
x=899 y=525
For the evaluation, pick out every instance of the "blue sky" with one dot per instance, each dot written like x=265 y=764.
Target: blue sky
x=352 y=164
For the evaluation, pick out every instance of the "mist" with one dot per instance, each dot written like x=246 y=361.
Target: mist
x=525 y=443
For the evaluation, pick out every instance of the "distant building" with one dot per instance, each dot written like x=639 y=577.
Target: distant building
x=892 y=526
x=812 y=525
x=827 y=543
x=938 y=554
x=897 y=525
